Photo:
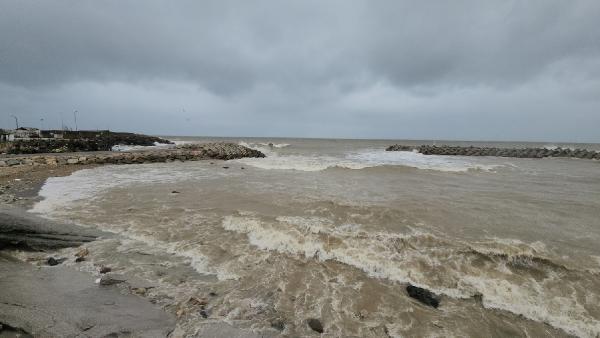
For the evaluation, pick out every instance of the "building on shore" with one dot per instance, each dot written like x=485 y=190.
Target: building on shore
x=24 y=133
x=19 y=134
x=5 y=135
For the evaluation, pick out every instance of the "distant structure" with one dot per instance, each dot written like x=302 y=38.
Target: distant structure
x=4 y=135
x=19 y=133
x=24 y=133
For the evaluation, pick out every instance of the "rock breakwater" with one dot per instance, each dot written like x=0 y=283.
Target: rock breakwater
x=220 y=151
x=79 y=141
x=499 y=152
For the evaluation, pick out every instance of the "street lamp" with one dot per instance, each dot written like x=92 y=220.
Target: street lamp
x=16 y=121
x=75 y=116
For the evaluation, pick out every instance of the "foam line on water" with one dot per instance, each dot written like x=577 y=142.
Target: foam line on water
x=58 y=192
x=443 y=266
x=362 y=159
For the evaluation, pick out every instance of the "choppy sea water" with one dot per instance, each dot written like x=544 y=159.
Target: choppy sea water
x=336 y=229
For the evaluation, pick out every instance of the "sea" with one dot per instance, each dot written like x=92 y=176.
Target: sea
x=336 y=230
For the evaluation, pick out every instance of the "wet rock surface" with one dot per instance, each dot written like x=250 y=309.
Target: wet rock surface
x=424 y=296
x=60 y=302
x=315 y=325
x=195 y=152
x=26 y=231
x=498 y=152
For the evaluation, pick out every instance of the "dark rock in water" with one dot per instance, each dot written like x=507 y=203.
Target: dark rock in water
x=478 y=297
x=174 y=192
x=315 y=325
x=111 y=279
x=79 y=259
x=424 y=296
x=278 y=324
x=398 y=147
x=225 y=167
x=105 y=269
x=53 y=261
x=212 y=294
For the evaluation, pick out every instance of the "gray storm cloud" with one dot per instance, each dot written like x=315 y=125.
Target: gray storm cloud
x=376 y=69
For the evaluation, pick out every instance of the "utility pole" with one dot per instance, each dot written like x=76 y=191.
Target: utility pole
x=42 y=123
x=75 y=116
x=16 y=121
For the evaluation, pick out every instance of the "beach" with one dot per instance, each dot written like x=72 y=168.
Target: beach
x=328 y=235
x=41 y=296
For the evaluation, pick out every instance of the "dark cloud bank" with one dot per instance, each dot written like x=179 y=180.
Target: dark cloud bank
x=524 y=70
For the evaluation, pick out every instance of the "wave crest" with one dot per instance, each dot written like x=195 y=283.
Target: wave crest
x=512 y=276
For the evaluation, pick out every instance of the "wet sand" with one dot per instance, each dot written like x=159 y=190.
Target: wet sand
x=19 y=185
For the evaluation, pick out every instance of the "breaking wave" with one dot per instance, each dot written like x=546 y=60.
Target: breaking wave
x=122 y=147
x=509 y=275
x=363 y=159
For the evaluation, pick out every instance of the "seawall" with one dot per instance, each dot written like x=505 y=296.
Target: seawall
x=220 y=151
x=75 y=141
x=500 y=152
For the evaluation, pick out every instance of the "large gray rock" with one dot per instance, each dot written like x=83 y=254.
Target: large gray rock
x=19 y=229
x=60 y=302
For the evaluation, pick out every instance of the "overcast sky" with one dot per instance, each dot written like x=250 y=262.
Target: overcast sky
x=478 y=70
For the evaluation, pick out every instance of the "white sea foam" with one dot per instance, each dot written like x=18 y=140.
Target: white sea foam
x=377 y=255
x=122 y=147
x=58 y=192
x=264 y=145
x=364 y=159
x=554 y=147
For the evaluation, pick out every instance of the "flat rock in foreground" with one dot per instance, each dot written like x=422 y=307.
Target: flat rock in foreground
x=22 y=230
x=60 y=302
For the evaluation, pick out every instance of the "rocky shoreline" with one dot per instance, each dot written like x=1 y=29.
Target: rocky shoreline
x=498 y=152
x=51 y=299
x=79 y=141
x=218 y=151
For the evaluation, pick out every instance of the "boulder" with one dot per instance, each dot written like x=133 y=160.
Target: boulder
x=315 y=325
x=422 y=295
x=54 y=261
x=111 y=279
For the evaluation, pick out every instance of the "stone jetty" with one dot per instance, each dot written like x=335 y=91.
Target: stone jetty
x=500 y=152
x=195 y=152
x=75 y=141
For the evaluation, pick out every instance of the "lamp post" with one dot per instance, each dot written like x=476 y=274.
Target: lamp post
x=75 y=117
x=42 y=123
x=16 y=121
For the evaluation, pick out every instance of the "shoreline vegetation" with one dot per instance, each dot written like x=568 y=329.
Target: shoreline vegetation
x=45 y=298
